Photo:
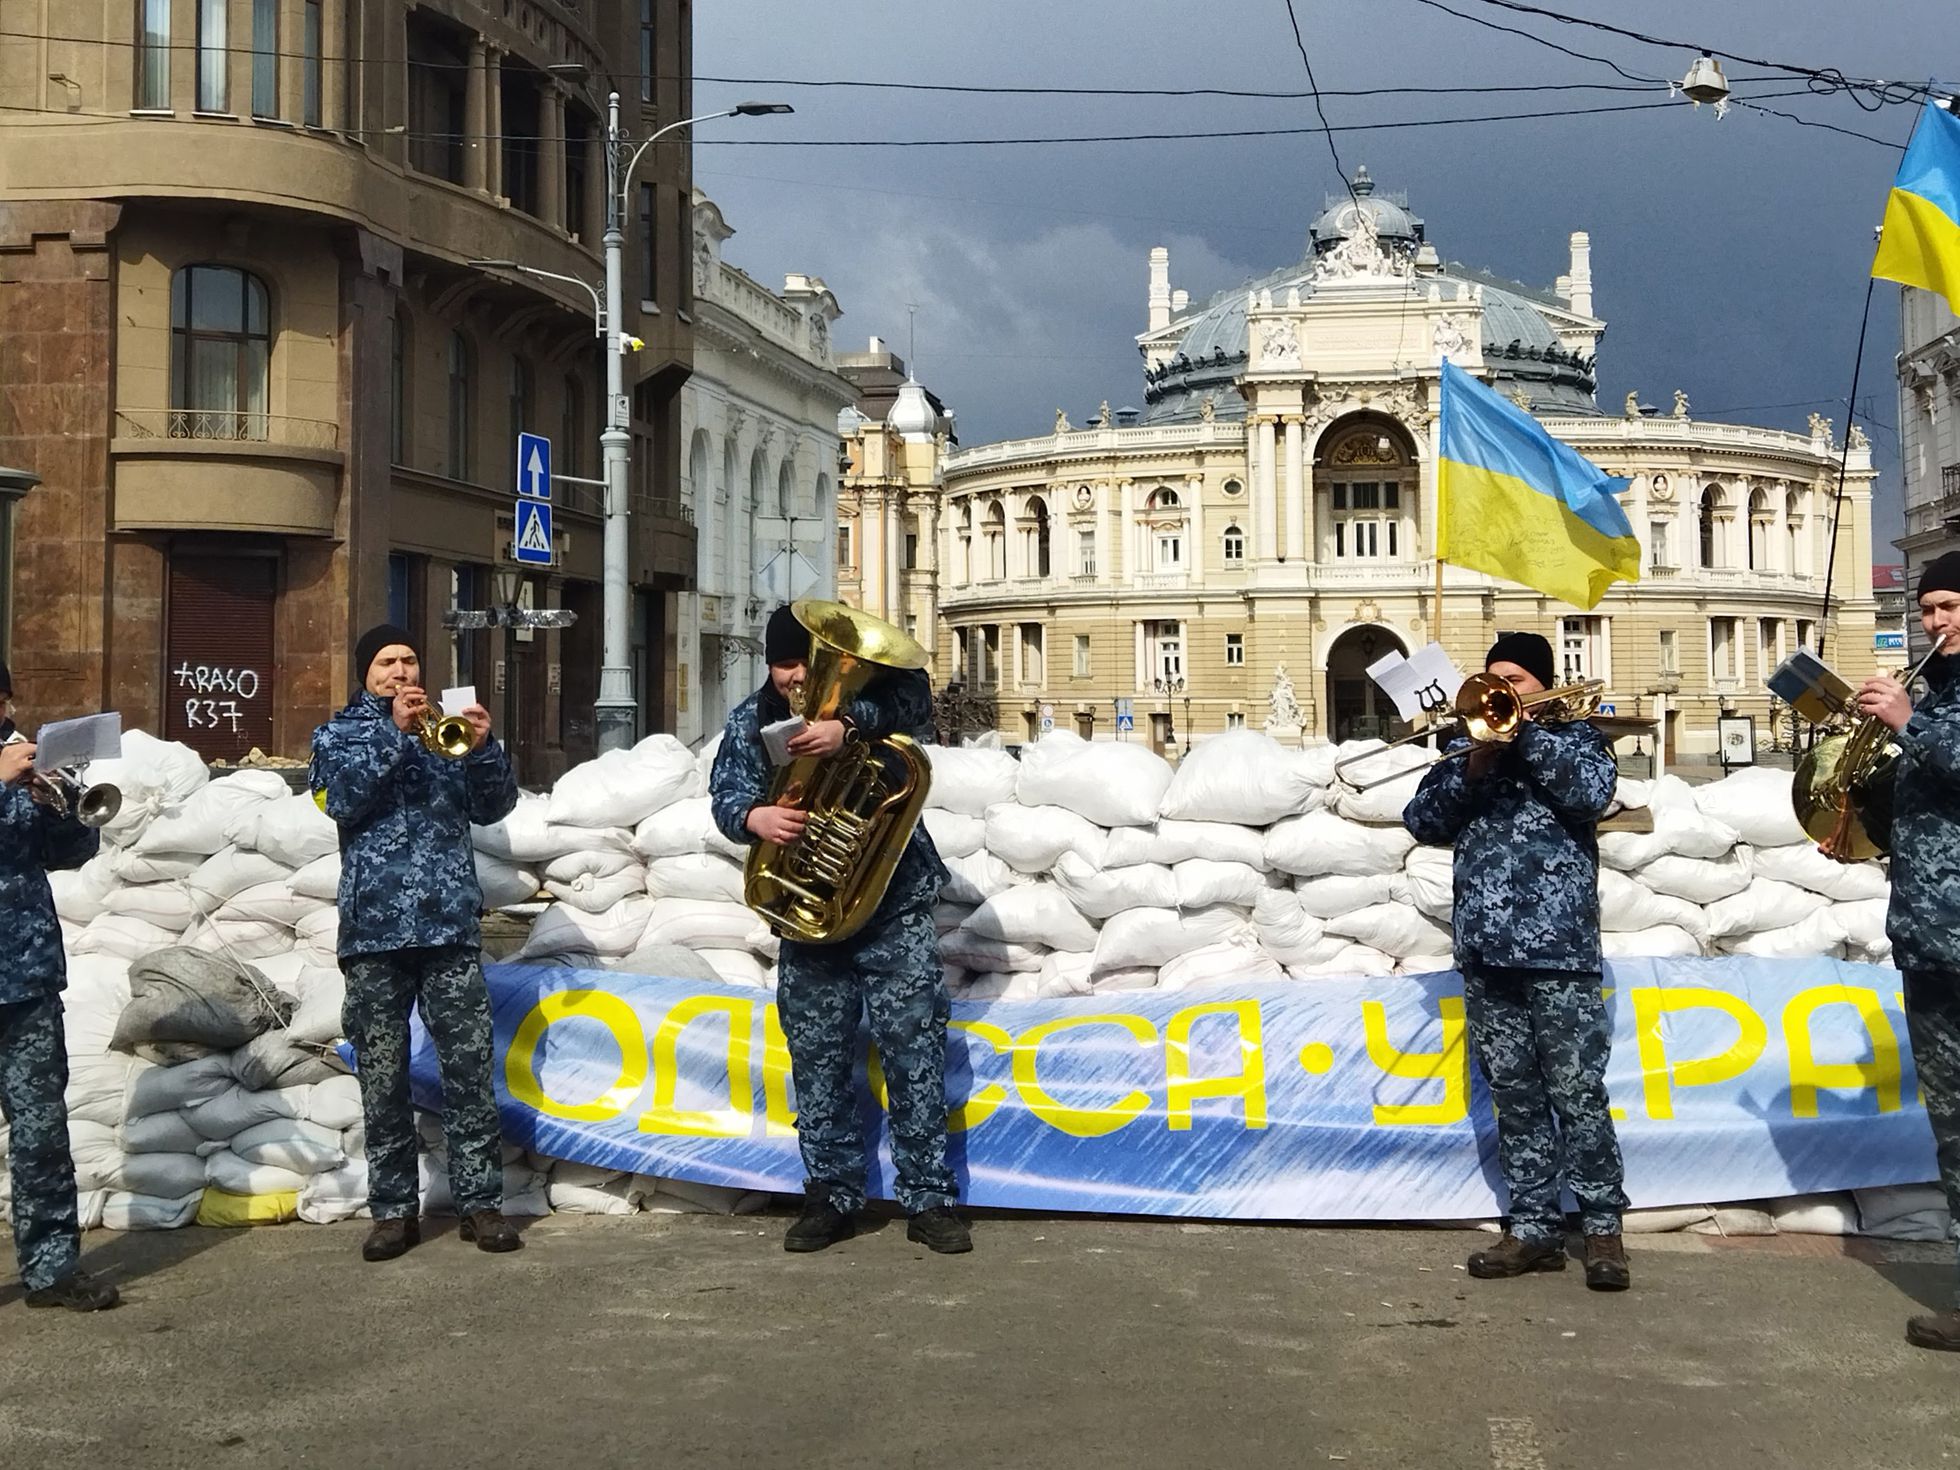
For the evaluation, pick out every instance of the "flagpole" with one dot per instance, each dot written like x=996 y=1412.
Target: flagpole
x=1844 y=457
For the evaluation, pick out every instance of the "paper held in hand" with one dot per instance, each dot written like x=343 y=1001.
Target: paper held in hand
x=776 y=739
x=455 y=701
x=1423 y=685
x=66 y=743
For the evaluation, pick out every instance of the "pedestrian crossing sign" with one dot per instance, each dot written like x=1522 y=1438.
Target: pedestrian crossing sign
x=534 y=532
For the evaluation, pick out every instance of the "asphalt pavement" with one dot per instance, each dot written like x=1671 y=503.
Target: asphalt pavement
x=696 y=1341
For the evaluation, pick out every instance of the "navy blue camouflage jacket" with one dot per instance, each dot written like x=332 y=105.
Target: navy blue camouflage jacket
x=407 y=873
x=1924 y=918
x=897 y=703
x=1527 y=857
x=32 y=840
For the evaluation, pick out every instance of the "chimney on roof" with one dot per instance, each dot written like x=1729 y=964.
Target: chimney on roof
x=1579 y=282
x=1160 y=288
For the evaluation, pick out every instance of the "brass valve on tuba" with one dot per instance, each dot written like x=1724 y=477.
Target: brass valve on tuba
x=862 y=802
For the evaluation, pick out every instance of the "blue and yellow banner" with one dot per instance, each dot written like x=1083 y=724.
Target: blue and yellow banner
x=1920 y=244
x=1334 y=1100
x=1518 y=504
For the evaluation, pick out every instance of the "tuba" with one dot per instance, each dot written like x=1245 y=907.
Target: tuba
x=1843 y=788
x=862 y=802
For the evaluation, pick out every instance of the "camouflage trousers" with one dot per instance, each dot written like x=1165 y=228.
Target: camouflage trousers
x=33 y=1081
x=1933 y=1023
x=1542 y=1039
x=823 y=991
x=382 y=989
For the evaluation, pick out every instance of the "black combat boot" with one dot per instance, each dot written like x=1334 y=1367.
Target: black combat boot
x=78 y=1292
x=1606 y=1263
x=821 y=1224
x=1514 y=1257
x=940 y=1229
x=491 y=1232
x=1939 y=1331
x=391 y=1237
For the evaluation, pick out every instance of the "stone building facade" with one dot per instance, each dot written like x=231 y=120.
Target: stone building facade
x=270 y=399
x=1240 y=550
x=1929 y=430
x=760 y=420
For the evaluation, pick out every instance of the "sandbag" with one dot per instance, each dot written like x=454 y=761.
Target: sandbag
x=1241 y=776
x=737 y=967
x=1818 y=934
x=241 y=940
x=1382 y=784
x=1763 y=905
x=79 y=892
x=1033 y=839
x=1099 y=892
x=322 y=992
x=970 y=951
x=164 y=1175
x=339 y=1194
x=685 y=826
x=1111 y=784
x=227 y=1171
x=99 y=1087
x=1341 y=893
x=1239 y=960
x=1351 y=959
x=526 y=837
x=125 y=1211
x=221 y=1209
x=231 y=1112
x=704 y=923
x=166 y=906
x=155 y=1090
x=1659 y=942
x=561 y=930
x=1628 y=906
x=182 y=994
x=974 y=879
x=265 y=903
x=318 y=879
x=1320 y=843
x=290 y=1143
x=1803 y=865
x=1150 y=936
x=334 y=1103
x=623 y=787
x=1202 y=882
x=1287 y=931
x=1815 y=1214
x=198 y=825
x=1171 y=842
x=1034 y=913
x=503 y=882
x=1755 y=802
x=1680 y=830
x=1394 y=929
x=599 y=863
x=594 y=894
x=1698 y=879
x=695 y=875
x=676 y=962
x=128 y=866
x=1429 y=880
x=292 y=830
x=955 y=834
x=968 y=780
x=154 y=776
x=161 y=1133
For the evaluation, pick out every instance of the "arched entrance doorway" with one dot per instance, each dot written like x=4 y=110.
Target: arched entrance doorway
x=1356 y=709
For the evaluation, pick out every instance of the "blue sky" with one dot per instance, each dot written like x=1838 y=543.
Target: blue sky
x=1729 y=256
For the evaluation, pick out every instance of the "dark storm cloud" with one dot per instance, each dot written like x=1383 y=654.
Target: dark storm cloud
x=1729 y=256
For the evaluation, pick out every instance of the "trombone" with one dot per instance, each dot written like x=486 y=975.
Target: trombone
x=1491 y=712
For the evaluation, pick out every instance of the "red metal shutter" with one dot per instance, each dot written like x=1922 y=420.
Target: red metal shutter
x=218 y=686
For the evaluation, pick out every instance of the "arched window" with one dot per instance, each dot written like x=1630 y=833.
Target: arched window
x=1711 y=531
x=996 y=542
x=1365 y=484
x=965 y=567
x=758 y=479
x=784 y=490
x=697 y=468
x=1760 y=518
x=1793 y=532
x=221 y=353
x=462 y=404
x=1039 y=550
x=1163 y=498
x=1234 y=544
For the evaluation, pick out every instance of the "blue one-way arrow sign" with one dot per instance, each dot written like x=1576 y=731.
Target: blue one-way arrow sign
x=534 y=466
x=533 y=540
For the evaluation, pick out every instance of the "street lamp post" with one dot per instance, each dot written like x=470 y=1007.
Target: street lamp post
x=616 y=709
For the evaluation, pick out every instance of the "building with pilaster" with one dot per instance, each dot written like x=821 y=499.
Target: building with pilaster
x=760 y=420
x=889 y=538
x=271 y=400
x=1242 y=548
x=1929 y=430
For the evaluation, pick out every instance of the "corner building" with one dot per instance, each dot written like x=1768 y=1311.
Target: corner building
x=270 y=400
x=1237 y=552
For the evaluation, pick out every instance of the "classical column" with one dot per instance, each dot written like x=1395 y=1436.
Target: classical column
x=333 y=64
x=1194 y=496
x=551 y=158
x=871 y=555
x=1266 y=491
x=493 y=145
x=894 y=612
x=592 y=227
x=476 y=118
x=1296 y=505
x=1124 y=563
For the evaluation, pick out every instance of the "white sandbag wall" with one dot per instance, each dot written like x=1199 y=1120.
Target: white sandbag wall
x=1077 y=869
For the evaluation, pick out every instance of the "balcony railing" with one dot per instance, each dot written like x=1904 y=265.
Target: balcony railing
x=226 y=426
x=1950 y=483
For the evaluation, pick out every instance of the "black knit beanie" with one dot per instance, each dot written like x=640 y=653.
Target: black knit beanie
x=1942 y=574
x=786 y=641
x=372 y=642
x=1529 y=651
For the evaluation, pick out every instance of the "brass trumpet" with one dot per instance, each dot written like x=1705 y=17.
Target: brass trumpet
x=1492 y=713
x=449 y=736
x=63 y=793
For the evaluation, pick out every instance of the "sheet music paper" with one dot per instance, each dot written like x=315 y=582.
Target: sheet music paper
x=455 y=701
x=66 y=743
x=1421 y=686
x=776 y=739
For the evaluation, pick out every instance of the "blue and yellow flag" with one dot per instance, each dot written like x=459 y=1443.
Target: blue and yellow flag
x=1920 y=245
x=1516 y=503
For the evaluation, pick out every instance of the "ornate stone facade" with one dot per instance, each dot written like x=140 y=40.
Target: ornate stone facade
x=1929 y=430
x=1274 y=511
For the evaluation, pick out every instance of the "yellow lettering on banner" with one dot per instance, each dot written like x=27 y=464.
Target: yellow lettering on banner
x=1658 y=1074
x=521 y=1061
x=1077 y=1122
x=1450 y=1066
x=1250 y=1081
x=733 y=1122
x=980 y=1103
x=1881 y=1074
x=778 y=1117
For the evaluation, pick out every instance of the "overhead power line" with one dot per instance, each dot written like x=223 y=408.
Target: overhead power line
x=1320 y=110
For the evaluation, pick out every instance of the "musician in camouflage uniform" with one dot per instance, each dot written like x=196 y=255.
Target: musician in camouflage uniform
x=1924 y=918
x=889 y=969
x=1527 y=943
x=33 y=1050
x=409 y=932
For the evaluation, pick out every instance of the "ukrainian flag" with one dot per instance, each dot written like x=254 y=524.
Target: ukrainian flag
x=1516 y=503
x=1920 y=245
